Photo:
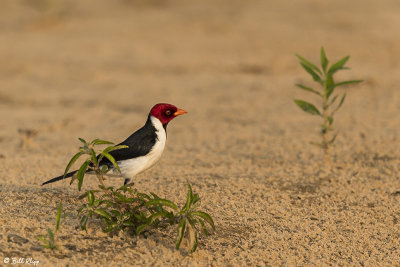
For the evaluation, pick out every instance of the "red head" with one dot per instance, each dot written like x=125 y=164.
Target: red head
x=166 y=112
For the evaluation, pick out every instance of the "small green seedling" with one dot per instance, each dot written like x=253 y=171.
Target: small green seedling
x=324 y=77
x=125 y=209
x=48 y=240
x=192 y=221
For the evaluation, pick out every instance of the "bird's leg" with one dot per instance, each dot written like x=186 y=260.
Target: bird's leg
x=126 y=180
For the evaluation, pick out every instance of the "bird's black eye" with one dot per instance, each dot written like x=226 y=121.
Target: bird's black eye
x=168 y=112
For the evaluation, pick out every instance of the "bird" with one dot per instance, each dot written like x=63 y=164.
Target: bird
x=144 y=147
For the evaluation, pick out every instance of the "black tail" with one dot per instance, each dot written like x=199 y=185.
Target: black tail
x=59 y=178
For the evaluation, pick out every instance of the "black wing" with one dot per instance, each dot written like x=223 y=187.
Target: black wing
x=139 y=144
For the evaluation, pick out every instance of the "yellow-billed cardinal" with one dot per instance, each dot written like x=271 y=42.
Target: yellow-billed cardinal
x=145 y=146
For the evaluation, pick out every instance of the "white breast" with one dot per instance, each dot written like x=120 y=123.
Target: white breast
x=131 y=167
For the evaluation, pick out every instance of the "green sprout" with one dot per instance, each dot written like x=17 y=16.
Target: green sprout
x=192 y=220
x=48 y=240
x=324 y=77
x=126 y=209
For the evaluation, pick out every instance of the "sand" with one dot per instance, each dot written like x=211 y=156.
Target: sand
x=93 y=69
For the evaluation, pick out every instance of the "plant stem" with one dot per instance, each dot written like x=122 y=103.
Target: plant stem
x=326 y=123
x=325 y=137
x=99 y=175
x=101 y=180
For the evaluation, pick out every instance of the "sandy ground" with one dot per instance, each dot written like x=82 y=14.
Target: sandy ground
x=90 y=69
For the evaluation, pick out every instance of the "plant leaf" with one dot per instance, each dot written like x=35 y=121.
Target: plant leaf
x=103 y=213
x=101 y=142
x=81 y=209
x=154 y=195
x=189 y=200
x=141 y=228
x=104 y=169
x=72 y=161
x=333 y=139
x=128 y=223
x=324 y=60
x=111 y=148
x=73 y=178
x=115 y=213
x=308 y=64
x=340 y=104
x=348 y=82
x=330 y=85
x=333 y=99
x=111 y=159
x=204 y=216
x=51 y=235
x=195 y=198
x=203 y=227
x=313 y=74
x=109 y=228
x=307 y=107
x=156 y=216
x=338 y=65
x=81 y=173
x=193 y=239
x=93 y=157
x=83 y=141
x=189 y=196
x=83 y=222
x=162 y=202
x=90 y=196
x=309 y=89
x=141 y=216
x=181 y=232
x=143 y=195
x=58 y=216
x=330 y=120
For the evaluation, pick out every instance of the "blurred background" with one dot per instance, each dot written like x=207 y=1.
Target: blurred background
x=92 y=69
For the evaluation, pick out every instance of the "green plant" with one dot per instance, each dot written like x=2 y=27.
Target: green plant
x=92 y=162
x=190 y=220
x=125 y=209
x=324 y=77
x=48 y=240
